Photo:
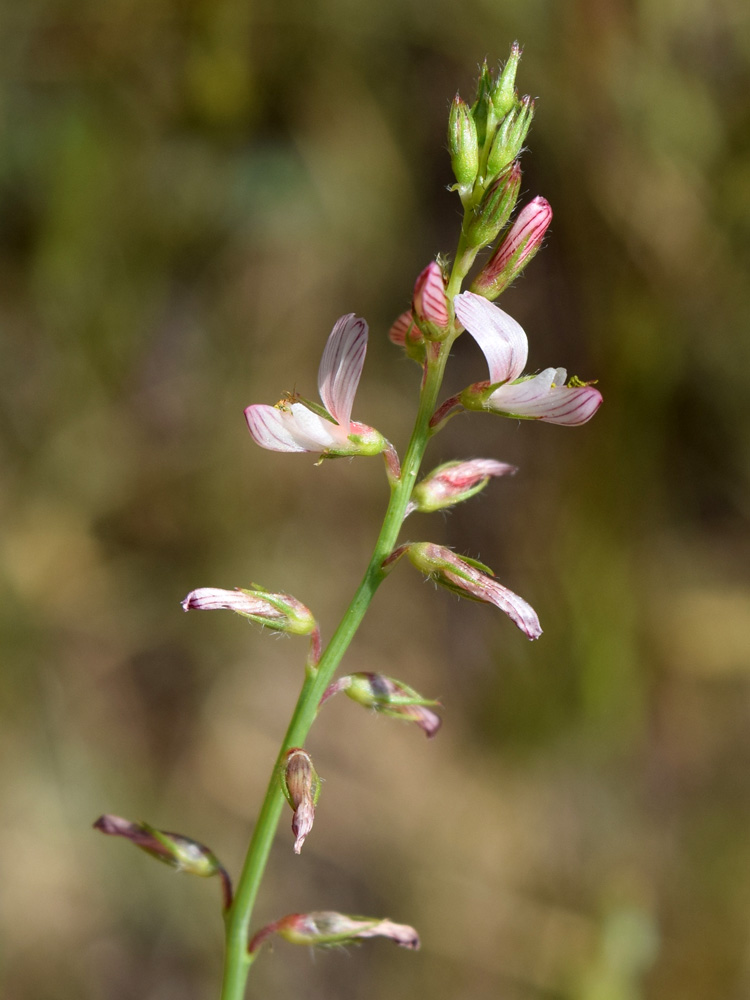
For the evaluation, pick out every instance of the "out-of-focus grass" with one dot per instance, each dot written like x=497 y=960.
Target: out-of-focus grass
x=190 y=195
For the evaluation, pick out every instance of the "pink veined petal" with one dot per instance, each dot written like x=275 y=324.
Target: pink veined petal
x=501 y=340
x=341 y=367
x=542 y=398
x=519 y=611
x=295 y=429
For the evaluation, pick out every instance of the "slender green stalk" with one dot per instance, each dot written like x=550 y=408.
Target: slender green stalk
x=237 y=962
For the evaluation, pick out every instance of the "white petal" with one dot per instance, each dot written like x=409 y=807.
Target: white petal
x=341 y=367
x=500 y=338
x=541 y=398
x=295 y=429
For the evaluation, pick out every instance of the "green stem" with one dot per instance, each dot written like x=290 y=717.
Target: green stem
x=238 y=962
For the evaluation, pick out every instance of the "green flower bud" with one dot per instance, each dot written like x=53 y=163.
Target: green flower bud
x=510 y=137
x=482 y=110
x=503 y=93
x=495 y=208
x=463 y=144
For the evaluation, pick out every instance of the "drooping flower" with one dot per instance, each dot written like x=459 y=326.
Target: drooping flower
x=327 y=928
x=301 y=787
x=536 y=397
x=468 y=578
x=175 y=850
x=389 y=697
x=302 y=426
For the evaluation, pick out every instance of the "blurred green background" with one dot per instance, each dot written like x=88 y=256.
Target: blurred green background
x=190 y=195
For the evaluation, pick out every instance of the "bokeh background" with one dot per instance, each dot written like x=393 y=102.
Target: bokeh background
x=190 y=194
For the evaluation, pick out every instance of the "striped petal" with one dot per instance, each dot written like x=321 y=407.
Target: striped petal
x=341 y=367
x=292 y=429
x=544 y=398
x=500 y=338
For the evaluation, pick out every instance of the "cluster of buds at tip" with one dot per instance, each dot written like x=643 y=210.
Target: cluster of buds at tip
x=453 y=482
x=173 y=849
x=468 y=578
x=388 y=697
x=517 y=248
x=326 y=928
x=301 y=786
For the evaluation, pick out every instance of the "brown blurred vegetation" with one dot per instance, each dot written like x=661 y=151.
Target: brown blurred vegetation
x=190 y=195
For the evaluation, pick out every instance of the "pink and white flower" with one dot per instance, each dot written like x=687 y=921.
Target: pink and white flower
x=534 y=397
x=299 y=426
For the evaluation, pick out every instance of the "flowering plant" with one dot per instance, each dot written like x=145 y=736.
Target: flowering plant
x=485 y=142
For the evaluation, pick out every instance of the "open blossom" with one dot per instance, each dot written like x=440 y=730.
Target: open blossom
x=537 y=397
x=298 y=426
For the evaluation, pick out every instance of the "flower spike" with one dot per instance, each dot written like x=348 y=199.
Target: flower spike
x=537 y=397
x=302 y=426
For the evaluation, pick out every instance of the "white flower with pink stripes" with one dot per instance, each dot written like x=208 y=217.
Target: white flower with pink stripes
x=533 y=397
x=304 y=426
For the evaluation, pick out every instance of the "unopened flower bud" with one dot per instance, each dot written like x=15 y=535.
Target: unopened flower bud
x=430 y=303
x=510 y=137
x=521 y=242
x=482 y=110
x=463 y=145
x=503 y=93
x=301 y=786
x=389 y=697
x=173 y=849
x=405 y=333
x=495 y=208
x=453 y=482
x=281 y=612
x=471 y=579
x=326 y=927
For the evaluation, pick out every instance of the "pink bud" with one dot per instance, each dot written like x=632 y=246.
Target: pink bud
x=520 y=244
x=430 y=303
x=455 y=481
x=302 y=789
